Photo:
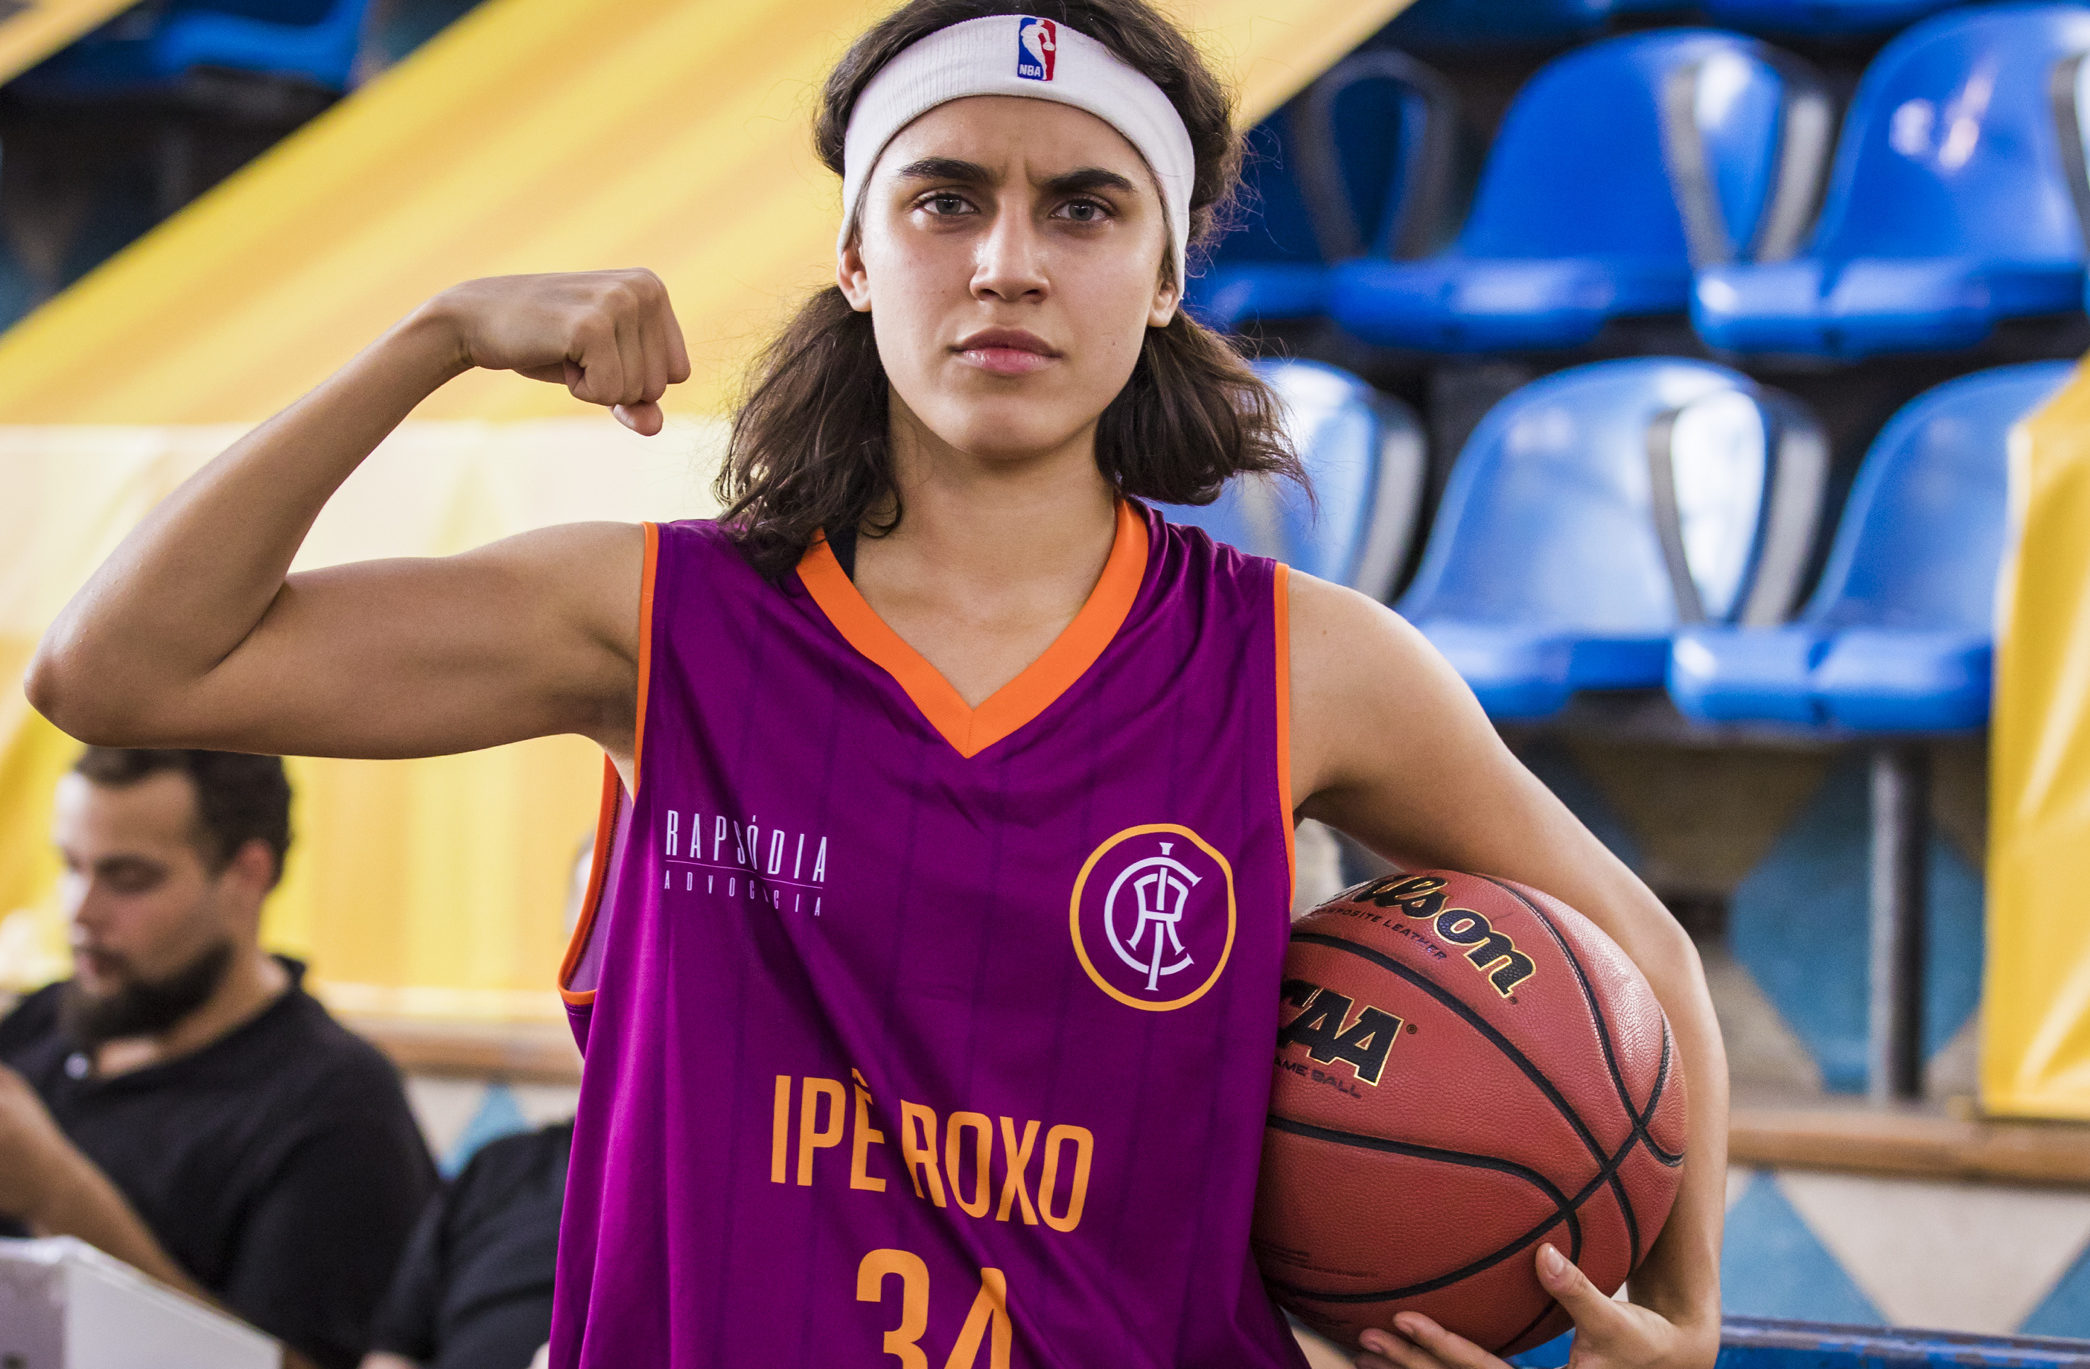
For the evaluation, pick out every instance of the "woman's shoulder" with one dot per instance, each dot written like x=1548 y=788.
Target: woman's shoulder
x=1359 y=669
x=1334 y=628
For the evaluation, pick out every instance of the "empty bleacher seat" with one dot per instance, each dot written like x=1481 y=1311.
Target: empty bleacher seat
x=1270 y=266
x=1822 y=18
x=1365 y=455
x=1618 y=167
x=1898 y=637
x=1512 y=23
x=1366 y=157
x=151 y=49
x=1954 y=202
x=1597 y=510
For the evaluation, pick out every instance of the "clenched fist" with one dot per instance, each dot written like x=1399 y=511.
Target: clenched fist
x=608 y=336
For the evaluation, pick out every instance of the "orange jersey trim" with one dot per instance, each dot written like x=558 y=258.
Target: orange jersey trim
x=646 y=577
x=598 y=874
x=1284 y=724
x=613 y=785
x=972 y=730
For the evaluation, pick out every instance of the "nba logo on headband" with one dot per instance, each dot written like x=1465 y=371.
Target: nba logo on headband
x=1037 y=42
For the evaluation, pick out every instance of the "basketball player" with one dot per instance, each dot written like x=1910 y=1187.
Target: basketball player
x=931 y=980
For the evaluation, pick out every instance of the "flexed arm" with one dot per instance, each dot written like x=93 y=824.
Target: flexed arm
x=193 y=632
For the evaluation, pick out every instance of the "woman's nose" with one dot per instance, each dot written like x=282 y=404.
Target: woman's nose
x=1009 y=262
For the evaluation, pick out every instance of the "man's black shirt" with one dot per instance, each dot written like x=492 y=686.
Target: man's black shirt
x=474 y=1289
x=278 y=1165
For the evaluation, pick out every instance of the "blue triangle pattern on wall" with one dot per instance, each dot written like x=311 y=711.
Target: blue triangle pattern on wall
x=2065 y=1311
x=1772 y=1265
x=1798 y=922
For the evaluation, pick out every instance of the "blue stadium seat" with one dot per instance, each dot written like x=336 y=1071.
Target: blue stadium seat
x=1271 y=265
x=1898 y=636
x=1364 y=453
x=1953 y=204
x=1822 y=18
x=1367 y=154
x=1597 y=510
x=152 y=48
x=1618 y=167
x=1512 y=23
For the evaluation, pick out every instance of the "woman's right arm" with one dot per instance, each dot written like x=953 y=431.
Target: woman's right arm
x=193 y=632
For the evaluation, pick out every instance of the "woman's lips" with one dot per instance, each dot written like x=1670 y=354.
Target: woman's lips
x=1006 y=361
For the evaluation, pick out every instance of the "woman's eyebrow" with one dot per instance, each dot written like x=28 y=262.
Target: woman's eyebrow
x=958 y=171
x=945 y=169
x=1087 y=178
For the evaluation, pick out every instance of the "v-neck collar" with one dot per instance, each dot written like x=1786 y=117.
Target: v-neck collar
x=972 y=730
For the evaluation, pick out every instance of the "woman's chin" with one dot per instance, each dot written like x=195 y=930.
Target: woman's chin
x=1006 y=433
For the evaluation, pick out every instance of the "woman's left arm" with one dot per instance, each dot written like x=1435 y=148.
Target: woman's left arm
x=1390 y=746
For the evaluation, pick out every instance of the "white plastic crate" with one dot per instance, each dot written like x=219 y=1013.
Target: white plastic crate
x=66 y=1305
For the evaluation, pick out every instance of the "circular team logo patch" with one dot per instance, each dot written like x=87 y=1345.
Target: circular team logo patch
x=1153 y=916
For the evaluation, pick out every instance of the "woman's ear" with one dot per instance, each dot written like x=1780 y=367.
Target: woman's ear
x=1165 y=304
x=1166 y=300
x=851 y=276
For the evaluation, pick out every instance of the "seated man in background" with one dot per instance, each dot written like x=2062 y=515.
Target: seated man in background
x=474 y=1290
x=182 y=1103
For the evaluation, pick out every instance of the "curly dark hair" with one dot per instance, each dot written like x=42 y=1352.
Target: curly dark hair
x=239 y=798
x=809 y=442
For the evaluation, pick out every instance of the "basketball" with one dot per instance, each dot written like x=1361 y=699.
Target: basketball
x=1466 y=1068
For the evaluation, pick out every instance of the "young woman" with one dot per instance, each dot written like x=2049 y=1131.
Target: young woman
x=930 y=991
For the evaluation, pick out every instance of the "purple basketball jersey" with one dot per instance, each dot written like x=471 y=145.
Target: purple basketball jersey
x=924 y=1035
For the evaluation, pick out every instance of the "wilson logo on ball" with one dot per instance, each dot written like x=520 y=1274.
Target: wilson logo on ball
x=1324 y=1026
x=1422 y=897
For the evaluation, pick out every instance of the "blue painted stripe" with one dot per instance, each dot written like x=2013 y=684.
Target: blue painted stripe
x=1773 y=1265
x=2065 y=1311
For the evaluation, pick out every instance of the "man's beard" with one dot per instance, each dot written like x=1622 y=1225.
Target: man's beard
x=143 y=1007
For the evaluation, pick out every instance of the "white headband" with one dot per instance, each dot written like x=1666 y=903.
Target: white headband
x=1014 y=54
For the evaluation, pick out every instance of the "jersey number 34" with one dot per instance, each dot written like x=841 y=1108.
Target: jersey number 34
x=987 y=1322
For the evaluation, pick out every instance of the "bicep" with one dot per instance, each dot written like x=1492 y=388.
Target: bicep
x=528 y=636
